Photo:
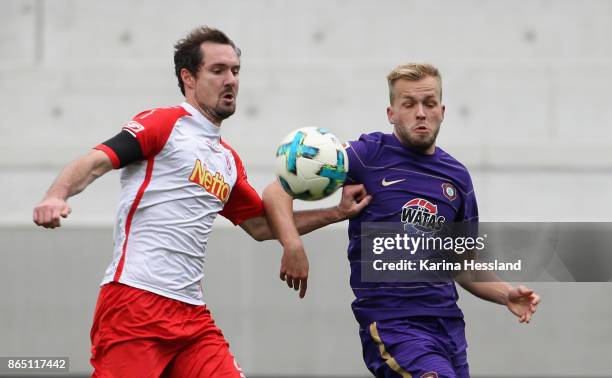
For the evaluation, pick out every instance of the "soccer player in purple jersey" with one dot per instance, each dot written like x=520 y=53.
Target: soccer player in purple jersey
x=409 y=329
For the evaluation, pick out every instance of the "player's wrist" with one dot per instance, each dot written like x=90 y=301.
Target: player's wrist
x=505 y=295
x=339 y=214
x=57 y=193
x=54 y=198
x=292 y=243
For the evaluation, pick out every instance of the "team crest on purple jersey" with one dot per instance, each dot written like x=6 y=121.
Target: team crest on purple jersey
x=449 y=191
x=431 y=374
x=421 y=216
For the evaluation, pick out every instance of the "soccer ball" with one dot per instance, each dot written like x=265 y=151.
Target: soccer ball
x=311 y=163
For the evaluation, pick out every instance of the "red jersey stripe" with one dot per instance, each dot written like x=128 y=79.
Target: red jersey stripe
x=128 y=221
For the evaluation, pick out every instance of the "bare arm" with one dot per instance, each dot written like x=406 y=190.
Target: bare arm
x=520 y=300
x=287 y=226
x=304 y=221
x=485 y=285
x=73 y=179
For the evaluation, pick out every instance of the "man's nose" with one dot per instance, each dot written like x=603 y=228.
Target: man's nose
x=230 y=79
x=420 y=111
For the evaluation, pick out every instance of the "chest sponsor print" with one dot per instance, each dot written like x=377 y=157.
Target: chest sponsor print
x=213 y=184
x=422 y=216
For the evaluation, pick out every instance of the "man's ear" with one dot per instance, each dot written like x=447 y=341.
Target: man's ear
x=390 y=115
x=188 y=79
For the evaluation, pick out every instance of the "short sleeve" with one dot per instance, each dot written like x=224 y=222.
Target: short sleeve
x=244 y=201
x=356 y=152
x=466 y=223
x=142 y=137
x=469 y=208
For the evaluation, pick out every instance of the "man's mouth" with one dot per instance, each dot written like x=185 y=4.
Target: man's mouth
x=228 y=96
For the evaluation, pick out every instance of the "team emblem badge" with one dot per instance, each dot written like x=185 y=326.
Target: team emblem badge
x=431 y=374
x=228 y=163
x=449 y=191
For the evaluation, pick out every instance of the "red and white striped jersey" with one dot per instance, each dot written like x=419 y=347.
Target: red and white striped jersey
x=177 y=176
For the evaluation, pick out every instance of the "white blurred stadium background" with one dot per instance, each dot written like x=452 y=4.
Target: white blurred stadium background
x=527 y=88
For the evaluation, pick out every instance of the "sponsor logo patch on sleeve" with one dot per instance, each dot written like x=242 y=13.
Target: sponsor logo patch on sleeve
x=133 y=127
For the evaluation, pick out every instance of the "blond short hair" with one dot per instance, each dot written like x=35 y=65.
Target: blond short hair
x=412 y=72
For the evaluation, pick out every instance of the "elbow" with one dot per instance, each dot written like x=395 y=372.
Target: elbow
x=258 y=228
x=258 y=238
x=263 y=235
x=261 y=238
x=462 y=278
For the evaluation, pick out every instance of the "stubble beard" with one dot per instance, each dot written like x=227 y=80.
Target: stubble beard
x=220 y=112
x=420 y=143
x=223 y=112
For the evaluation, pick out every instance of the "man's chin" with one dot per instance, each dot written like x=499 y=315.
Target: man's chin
x=421 y=144
x=224 y=113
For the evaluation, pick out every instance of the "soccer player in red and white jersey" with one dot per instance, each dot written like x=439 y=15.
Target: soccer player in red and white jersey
x=177 y=175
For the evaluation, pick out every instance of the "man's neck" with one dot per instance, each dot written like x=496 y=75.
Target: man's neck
x=202 y=111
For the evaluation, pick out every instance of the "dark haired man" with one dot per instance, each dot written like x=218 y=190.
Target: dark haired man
x=178 y=174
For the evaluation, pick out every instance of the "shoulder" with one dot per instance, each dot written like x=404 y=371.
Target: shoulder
x=157 y=117
x=367 y=143
x=152 y=128
x=459 y=172
x=375 y=137
x=163 y=113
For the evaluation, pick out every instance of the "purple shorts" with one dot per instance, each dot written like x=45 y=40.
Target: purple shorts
x=417 y=347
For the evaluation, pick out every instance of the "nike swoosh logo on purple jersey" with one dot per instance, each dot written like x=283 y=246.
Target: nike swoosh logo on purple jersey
x=384 y=182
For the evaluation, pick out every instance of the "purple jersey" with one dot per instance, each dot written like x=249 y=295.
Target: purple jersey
x=416 y=189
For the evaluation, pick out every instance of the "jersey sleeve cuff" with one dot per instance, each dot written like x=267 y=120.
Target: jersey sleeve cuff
x=246 y=216
x=110 y=153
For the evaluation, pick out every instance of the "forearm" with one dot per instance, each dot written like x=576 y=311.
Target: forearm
x=77 y=175
x=309 y=220
x=485 y=285
x=286 y=224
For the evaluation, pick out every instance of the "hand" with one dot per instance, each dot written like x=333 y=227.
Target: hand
x=522 y=302
x=354 y=199
x=47 y=213
x=294 y=267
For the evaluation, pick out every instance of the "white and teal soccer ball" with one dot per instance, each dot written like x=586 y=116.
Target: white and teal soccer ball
x=311 y=163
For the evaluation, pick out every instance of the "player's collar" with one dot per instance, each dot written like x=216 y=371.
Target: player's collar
x=208 y=126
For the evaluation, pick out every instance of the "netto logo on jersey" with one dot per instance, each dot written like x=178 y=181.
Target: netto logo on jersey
x=422 y=214
x=214 y=185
